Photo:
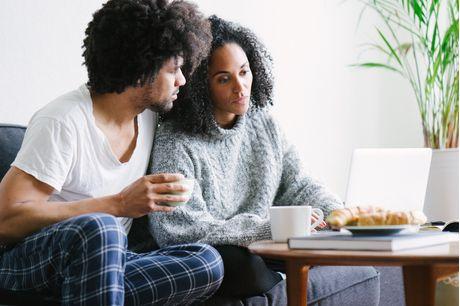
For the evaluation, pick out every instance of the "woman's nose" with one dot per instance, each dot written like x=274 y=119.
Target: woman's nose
x=238 y=86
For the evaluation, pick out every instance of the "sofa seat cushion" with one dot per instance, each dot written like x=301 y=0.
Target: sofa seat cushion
x=328 y=286
x=337 y=285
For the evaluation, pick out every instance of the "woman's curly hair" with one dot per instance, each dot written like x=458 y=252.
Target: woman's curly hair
x=192 y=109
x=128 y=41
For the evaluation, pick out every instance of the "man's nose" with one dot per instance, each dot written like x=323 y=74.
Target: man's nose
x=180 y=79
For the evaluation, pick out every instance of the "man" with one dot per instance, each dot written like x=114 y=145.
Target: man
x=67 y=201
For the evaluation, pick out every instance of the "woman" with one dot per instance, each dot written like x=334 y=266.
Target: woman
x=220 y=133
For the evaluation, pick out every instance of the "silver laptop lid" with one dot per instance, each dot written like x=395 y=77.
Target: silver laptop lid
x=394 y=179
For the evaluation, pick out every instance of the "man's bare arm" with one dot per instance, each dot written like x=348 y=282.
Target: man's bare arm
x=24 y=205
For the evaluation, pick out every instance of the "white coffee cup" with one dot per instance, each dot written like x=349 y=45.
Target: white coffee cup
x=189 y=183
x=292 y=221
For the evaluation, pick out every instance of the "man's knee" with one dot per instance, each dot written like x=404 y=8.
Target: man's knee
x=97 y=230
x=207 y=257
x=211 y=255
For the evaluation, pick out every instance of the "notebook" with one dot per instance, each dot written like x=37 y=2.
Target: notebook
x=346 y=241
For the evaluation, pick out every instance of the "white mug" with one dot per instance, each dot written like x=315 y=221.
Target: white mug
x=189 y=183
x=292 y=221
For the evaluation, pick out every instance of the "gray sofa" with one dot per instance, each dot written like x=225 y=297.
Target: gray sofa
x=328 y=285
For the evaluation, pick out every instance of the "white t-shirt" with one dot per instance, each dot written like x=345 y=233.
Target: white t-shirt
x=65 y=149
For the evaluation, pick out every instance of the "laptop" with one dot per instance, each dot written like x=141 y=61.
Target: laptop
x=395 y=179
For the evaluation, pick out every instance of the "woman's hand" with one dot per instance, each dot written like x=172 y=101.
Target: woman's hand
x=314 y=218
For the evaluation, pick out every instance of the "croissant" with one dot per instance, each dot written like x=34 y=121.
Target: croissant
x=349 y=216
x=392 y=218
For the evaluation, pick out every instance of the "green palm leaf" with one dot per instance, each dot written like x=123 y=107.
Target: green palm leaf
x=429 y=61
x=378 y=65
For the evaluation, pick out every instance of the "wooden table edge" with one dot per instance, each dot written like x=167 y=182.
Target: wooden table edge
x=334 y=261
x=297 y=265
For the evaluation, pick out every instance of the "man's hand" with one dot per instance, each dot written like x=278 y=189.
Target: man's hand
x=147 y=193
x=24 y=205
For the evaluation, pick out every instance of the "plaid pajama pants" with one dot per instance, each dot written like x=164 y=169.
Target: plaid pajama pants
x=84 y=261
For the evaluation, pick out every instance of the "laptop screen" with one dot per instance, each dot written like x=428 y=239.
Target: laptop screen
x=395 y=179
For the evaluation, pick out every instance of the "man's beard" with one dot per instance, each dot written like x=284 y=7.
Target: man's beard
x=162 y=106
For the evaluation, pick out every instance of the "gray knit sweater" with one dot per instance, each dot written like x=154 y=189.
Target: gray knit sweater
x=240 y=172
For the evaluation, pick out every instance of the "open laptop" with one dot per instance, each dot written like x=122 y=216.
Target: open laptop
x=395 y=179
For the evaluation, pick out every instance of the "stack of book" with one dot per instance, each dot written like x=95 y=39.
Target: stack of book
x=347 y=241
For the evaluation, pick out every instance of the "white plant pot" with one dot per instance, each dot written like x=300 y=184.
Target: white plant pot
x=441 y=200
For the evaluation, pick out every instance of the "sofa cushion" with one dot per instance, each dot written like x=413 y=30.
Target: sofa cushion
x=328 y=286
x=11 y=137
x=337 y=285
x=391 y=286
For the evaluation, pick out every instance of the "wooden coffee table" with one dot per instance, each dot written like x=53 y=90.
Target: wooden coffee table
x=422 y=267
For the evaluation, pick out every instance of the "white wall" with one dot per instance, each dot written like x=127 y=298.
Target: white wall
x=325 y=107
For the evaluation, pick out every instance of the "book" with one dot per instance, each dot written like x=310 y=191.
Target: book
x=450 y=226
x=346 y=241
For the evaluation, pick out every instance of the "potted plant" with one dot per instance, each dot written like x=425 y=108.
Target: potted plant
x=419 y=38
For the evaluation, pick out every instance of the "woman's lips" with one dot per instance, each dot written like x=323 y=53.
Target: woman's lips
x=174 y=95
x=241 y=100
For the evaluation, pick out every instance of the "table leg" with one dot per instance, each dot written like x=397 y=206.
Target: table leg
x=297 y=281
x=420 y=283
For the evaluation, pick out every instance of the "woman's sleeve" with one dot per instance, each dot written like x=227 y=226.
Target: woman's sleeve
x=298 y=188
x=192 y=222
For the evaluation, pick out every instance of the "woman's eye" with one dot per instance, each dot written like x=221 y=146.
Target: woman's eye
x=222 y=80
x=244 y=72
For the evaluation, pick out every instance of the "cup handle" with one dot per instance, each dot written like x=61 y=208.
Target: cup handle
x=320 y=214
